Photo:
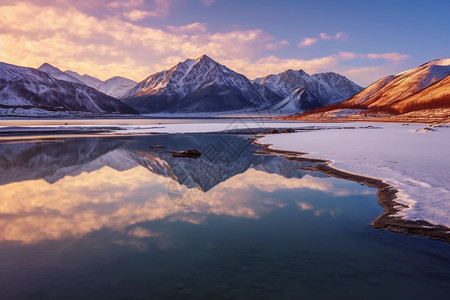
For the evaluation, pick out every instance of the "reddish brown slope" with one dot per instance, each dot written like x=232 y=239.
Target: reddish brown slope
x=393 y=89
x=435 y=96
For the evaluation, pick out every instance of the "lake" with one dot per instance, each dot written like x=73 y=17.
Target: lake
x=122 y=218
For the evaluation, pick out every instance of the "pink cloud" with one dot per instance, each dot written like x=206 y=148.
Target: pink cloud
x=127 y=4
x=161 y=9
x=273 y=64
x=392 y=56
x=110 y=46
x=306 y=42
x=71 y=39
x=194 y=28
x=338 y=36
x=276 y=45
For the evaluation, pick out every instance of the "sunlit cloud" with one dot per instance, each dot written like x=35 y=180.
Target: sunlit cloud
x=73 y=38
x=161 y=9
x=127 y=4
x=392 y=56
x=277 y=45
x=273 y=64
x=306 y=42
x=140 y=232
x=338 y=36
x=191 y=29
x=368 y=75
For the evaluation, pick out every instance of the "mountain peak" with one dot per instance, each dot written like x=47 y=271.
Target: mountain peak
x=57 y=73
x=301 y=72
x=438 y=62
x=204 y=58
x=46 y=67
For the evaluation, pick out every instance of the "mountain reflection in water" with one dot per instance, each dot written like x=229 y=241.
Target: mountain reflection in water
x=60 y=188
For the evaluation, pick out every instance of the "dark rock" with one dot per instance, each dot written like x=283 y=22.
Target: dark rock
x=287 y=130
x=192 y=153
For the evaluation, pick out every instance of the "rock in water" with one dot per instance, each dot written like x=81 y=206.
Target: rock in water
x=192 y=153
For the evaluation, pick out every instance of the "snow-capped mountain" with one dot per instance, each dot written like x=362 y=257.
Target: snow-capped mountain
x=57 y=73
x=300 y=100
x=29 y=88
x=86 y=79
x=327 y=88
x=203 y=85
x=392 y=90
x=114 y=87
x=198 y=85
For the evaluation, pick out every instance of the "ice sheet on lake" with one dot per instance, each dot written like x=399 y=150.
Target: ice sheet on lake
x=415 y=162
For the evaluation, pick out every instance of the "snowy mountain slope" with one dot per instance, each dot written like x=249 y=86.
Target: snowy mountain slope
x=395 y=88
x=287 y=82
x=86 y=79
x=327 y=88
x=299 y=101
x=21 y=86
x=115 y=86
x=338 y=87
x=198 y=85
x=57 y=73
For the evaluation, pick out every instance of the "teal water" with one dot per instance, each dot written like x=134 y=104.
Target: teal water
x=111 y=218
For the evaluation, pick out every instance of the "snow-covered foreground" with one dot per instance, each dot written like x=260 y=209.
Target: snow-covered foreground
x=415 y=162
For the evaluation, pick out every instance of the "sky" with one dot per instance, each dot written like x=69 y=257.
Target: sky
x=361 y=39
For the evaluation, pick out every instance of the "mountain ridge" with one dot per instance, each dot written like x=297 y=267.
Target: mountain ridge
x=327 y=87
x=198 y=85
x=175 y=89
x=421 y=93
x=28 y=88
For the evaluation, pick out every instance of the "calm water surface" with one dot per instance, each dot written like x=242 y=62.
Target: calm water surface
x=111 y=218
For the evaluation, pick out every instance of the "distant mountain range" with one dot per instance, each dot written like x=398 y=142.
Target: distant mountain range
x=426 y=87
x=189 y=87
x=301 y=91
x=198 y=85
x=114 y=87
x=203 y=85
x=27 y=91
